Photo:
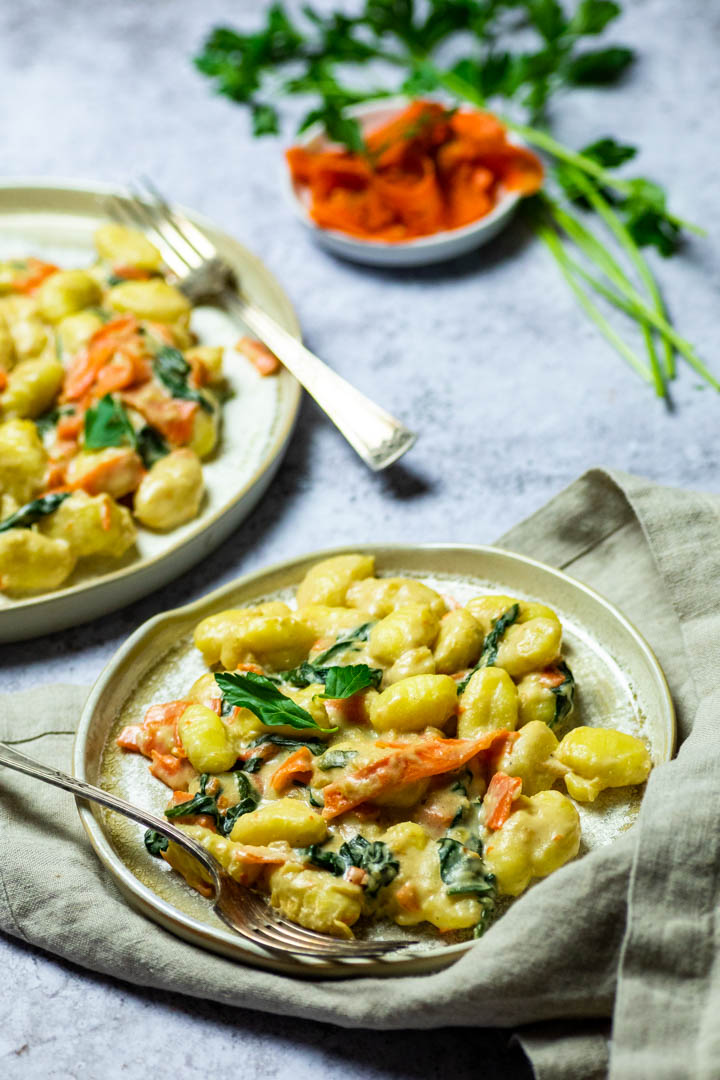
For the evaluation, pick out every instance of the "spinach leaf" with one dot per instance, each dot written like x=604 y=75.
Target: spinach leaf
x=252 y=765
x=155 y=842
x=376 y=859
x=489 y=654
x=305 y=674
x=362 y=633
x=31 y=512
x=335 y=759
x=172 y=369
x=564 y=694
x=151 y=446
x=199 y=804
x=465 y=874
x=326 y=860
x=315 y=746
x=316 y=797
x=249 y=799
x=343 y=682
x=49 y=419
x=108 y=424
x=258 y=694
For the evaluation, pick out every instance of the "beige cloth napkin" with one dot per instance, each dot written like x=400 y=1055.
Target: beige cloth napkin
x=629 y=932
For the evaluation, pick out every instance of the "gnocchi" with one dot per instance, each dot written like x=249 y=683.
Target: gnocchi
x=369 y=754
x=104 y=391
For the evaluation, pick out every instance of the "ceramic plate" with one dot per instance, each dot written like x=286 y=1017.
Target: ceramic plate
x=423 y=250
x=56 y=222
x=620 y=684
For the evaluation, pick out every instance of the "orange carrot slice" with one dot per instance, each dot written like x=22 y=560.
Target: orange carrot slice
x=36 y=272
x=298 y=766
x=264 y=361
x=405 y=763
x=499 y=797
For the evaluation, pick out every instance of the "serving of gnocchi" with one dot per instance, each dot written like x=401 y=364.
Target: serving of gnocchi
x=108 y=405
x=375 y=751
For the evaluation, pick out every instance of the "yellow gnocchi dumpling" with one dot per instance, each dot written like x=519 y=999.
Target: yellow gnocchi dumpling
x=75 y=330
x=205 y=740
x=32 y=386
x=328 y=581
x=22 y=460
x=288 y=819
x=486 y=610
x=488 y=703
x=92 y=525
x=380 y=596
x=418 y=661
x=528 y=754
x=407 y=627
x=418 y=893
x=171 y=492
x=332 y=621
x=126 y=247
x=415 y=703
x=30 y=561
x=538 y=838
x=270 y=633
x=315 y=899
x=153 y=299
x=65 y=292
x=525 y=647
x=459 y=642
x=599 y=758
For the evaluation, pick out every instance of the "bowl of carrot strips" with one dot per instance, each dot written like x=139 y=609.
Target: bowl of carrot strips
x=430 y=184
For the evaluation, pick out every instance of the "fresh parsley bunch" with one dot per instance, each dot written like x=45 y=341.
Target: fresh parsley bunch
x=318 y=53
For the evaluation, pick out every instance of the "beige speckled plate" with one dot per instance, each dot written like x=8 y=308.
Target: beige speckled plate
x=56 y=221
x=620 y=684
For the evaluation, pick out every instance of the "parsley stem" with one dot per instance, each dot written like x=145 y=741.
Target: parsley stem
x=550 y=238
x=622 y=233
x=637 y=309
x=595 y=250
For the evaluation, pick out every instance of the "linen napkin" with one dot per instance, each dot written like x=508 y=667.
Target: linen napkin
x=628 y=933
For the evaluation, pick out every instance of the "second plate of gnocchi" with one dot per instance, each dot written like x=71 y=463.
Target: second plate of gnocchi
x=135 y=430
x=374 y=739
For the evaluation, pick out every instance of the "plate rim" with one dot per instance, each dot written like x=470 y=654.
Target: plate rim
x=270 y=460
x=222 y=940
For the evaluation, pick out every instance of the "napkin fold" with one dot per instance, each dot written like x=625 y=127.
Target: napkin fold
x=628 y=933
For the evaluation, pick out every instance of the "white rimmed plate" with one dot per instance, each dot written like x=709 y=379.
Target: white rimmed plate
x=56 y=220
x=424 y=250
x=620 y=684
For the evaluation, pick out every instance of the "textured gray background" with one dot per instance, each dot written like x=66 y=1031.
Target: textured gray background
x=513 y=392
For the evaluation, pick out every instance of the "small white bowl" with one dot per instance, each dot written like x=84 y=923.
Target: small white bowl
x=422 y=251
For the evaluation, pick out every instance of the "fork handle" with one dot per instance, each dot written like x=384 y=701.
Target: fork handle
x=15 y=759
x=377 y=436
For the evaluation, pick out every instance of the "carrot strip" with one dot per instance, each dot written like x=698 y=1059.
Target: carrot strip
x=264 y=361
x=34 y=276
x=499 y=797
x=298 y=766
x=405 y=763
x=69 y=427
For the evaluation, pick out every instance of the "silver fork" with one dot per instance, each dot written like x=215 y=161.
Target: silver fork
x=204 y=276
x=239 y=907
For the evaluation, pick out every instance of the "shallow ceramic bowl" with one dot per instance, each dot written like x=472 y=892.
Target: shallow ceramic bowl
x=423 y=251
x=620 y=684
x=56 y=221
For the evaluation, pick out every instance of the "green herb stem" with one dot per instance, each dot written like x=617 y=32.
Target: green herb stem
x=550 y=239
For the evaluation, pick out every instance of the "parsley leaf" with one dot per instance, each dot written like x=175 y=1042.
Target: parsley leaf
x=172 y=369
x=343 y=682
x=608 y=153
x=108 y=424
x=258 y=694
x=597 y=67
x=31 y=512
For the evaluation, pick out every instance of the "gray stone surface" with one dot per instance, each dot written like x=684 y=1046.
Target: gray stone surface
x=511 y=389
